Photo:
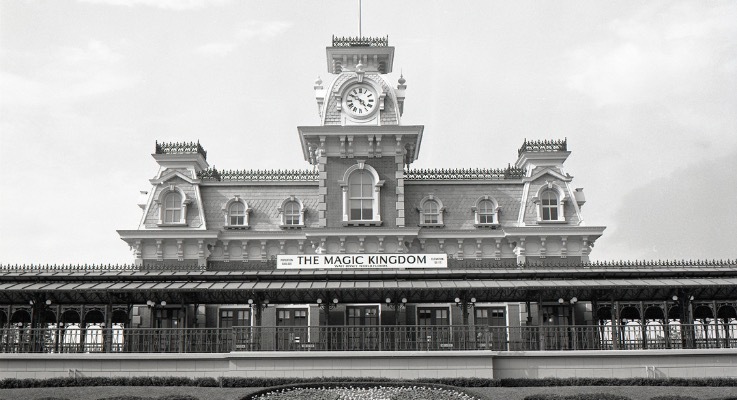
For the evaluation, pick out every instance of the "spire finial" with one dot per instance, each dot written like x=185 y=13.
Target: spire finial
x=359 y=20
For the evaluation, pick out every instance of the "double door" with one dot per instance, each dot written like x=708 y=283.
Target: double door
x=291 y=329
x=362 y=328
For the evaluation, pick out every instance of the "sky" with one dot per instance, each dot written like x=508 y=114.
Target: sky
x=645 y=93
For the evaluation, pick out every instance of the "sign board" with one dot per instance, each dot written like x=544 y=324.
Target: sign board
x=361 y=261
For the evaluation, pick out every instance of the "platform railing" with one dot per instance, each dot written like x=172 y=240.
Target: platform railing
x=366 y=338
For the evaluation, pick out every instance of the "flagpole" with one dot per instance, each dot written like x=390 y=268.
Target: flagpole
x=359 y=19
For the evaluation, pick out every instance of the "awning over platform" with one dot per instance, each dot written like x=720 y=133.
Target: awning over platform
x=276 y=290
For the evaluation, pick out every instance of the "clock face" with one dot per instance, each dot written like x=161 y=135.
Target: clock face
x=360 y=101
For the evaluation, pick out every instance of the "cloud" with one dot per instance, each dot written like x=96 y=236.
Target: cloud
x=261 y=30
x=216 y=49
x=643 y=55
x=164 y=4
x=688 y=214
x=66 y=75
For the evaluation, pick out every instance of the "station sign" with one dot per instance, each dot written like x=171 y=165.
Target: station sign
x=361 y=261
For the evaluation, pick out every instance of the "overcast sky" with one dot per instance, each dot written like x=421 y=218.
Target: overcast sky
x=645 y=92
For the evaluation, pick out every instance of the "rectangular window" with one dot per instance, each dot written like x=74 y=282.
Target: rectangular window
x=433 y=316
x=235 y=317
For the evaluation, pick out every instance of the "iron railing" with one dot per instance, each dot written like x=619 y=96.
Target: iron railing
x=367 y=338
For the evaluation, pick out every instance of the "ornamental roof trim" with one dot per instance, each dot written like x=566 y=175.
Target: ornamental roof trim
x=543 y=146
x=278 y=175
x=461 y=174
x=180 y=148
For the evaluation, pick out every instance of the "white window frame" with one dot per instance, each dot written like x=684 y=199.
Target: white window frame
x=494 y=215
x=246 y=213
x=375 y=195
x=161 y=202
x=562 y=198
x=423 y=215
x=283 y=212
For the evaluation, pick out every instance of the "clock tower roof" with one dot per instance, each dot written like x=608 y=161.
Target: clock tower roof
x=370 y=54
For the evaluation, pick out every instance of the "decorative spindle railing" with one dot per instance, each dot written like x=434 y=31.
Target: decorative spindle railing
x=212 y=174
x=543 y=146
x=463 y=174
x=74 y=338
x=180 y=148
x=360 y=41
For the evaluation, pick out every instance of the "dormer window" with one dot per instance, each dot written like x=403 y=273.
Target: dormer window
x=431 y=212
x=292 y=213
x=236 y=213
x=173 y=207
x=550 y=203
x=486 y=212
x=361 y=188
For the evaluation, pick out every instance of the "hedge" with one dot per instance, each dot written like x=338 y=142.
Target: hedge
x=232 y=382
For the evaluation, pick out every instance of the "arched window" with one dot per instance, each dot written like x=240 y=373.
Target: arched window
x=486 y=212
x=550 y=201
x=172 y=208
x=549 y=205
x=236 y=213
x=292 y=213
x=431 y=212
x=361 y=186
x=360 y=195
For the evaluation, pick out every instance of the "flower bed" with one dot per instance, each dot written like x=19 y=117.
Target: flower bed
x=376 y=392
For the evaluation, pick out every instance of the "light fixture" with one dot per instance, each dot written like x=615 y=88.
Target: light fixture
x=404 y=300
x=335 y=300
x=48 y=302
x=473 y=299
x=561 y=301
x=388 y=300
x=319 y=300
x=574 y=300
x=458 y=300
x=250 y=301
x=30 y=302
x=691 y=298
x=675 y=298
x=266 y=301
x=163 y=303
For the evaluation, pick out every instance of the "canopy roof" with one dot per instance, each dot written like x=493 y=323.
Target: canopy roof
x=370 y=286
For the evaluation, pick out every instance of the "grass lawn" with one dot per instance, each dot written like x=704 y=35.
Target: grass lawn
x=97 y=392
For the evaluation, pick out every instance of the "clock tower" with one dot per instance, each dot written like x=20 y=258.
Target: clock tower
x=360 y=147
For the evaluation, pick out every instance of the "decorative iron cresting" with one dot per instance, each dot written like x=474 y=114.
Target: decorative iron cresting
x=360 y=41
x=180 y=148
x=453 y=263
x=543 y=146
x=464 y=174
x=212 y=174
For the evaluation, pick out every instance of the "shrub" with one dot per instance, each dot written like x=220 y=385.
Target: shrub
x=673 y=397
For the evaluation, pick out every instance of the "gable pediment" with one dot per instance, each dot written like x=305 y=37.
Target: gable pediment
x=172 y=174
x=550 y=172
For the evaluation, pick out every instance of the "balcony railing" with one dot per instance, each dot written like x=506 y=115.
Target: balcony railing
x=366 y=338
